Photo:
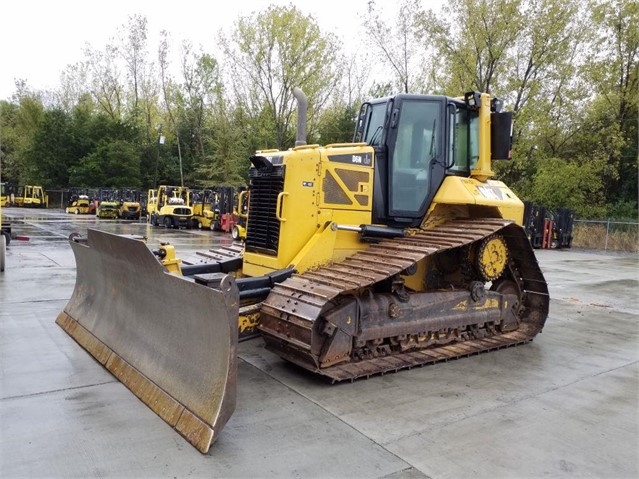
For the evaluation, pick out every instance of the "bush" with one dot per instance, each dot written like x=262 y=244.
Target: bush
x=623 y=210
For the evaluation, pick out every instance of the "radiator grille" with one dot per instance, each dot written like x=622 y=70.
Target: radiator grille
x=263 y=227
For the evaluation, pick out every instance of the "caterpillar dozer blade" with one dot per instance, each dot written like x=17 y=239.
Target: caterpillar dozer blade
x=122 y=312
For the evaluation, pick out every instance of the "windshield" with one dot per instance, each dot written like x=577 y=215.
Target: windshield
x=416 y=148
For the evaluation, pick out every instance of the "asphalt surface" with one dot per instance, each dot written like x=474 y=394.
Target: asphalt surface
x=565 y=405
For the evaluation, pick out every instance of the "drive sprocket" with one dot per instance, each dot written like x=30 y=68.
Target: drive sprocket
x=492 y=257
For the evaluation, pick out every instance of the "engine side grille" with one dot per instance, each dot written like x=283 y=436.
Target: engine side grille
x=333 y=192
x=263 y=228
x=352 y=179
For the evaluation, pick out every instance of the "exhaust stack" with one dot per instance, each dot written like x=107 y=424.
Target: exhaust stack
x=302 y=109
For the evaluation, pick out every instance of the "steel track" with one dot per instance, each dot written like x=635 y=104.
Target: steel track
x=298 y=302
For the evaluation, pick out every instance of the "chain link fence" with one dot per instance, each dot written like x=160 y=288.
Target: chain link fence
x=606 y=235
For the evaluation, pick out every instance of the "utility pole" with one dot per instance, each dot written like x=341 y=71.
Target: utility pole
x=157 y=160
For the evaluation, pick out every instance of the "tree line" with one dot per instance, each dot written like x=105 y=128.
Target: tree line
x=125 y=116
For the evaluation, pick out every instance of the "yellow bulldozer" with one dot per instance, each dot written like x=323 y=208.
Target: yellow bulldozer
x=362 y=258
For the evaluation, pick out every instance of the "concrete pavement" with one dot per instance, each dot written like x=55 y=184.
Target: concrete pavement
x=565 y=405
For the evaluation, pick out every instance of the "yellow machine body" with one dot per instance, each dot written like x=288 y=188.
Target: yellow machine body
x=151 y=203
x=317 y=192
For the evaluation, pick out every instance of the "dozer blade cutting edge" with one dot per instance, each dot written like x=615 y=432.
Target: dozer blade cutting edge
x=184 y=368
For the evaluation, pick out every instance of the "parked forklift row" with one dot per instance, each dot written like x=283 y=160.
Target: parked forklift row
x=217 y=208
x=104 y=202
x=122 y=203
x=29 y=196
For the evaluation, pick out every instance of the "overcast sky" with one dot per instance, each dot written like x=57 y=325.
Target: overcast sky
x=39 y=38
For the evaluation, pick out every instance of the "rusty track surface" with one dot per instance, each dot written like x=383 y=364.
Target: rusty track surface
x=301 y=299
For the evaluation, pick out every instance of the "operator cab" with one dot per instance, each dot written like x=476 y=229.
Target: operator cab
x=418 y=141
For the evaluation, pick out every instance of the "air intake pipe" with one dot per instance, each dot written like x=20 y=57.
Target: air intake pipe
x=302 y=109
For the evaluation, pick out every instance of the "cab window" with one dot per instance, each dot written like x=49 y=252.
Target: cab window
x=375 y=114
x=463 y=140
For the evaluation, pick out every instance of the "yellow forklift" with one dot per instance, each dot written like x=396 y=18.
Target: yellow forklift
x=170 y=206
x=31 y=196
x=206 y=214
x=4 y=194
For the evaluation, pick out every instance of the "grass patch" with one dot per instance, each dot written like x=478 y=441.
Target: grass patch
x=618 y=237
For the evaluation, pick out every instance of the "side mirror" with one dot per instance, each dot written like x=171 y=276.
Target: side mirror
x=501 y=135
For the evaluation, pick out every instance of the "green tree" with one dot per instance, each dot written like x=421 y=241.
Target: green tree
x=104 y=74
x=527 y=52
x=269 y=54
x=29 y=118
x=611 y=123
x=227 y=163
x=398 y=43
x=541 y=60
x=73 y=86
x=133 y=51
x=352 y=88
x=472 y=38
x=112 y=164
x=170 y=94
x=15 y=136
x=574 y=185
x=337 y=123
x=50 y=154
x=200 y=91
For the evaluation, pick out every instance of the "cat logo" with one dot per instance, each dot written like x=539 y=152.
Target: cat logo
x=490 y=193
